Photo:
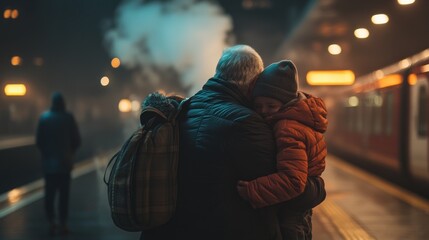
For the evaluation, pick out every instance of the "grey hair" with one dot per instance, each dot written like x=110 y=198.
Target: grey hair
x=239 y=64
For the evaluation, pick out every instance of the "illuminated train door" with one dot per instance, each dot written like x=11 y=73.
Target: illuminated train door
x=418 y=130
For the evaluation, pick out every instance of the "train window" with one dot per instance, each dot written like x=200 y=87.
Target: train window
x=422 y=124
x=347 y=124
x=350 y=117
x=355 y=118
x=377 y=124
x=341 y=116
x=368 y=114
x=389 y=114
x=346 y=118
x=359 y=118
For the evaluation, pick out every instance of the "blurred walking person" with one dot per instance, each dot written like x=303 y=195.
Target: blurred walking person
x=58 y=139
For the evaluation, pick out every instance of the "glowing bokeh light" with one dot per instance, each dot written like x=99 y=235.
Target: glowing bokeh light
x=405 y=63
x=380 y=19
x=115 y=62
x=15 y=14
x=353 y=101
x=412 y=79
x=389 y=81
x=337 y=77
x=378 y=101
x=104 y=81
x=124 y=105
x=14 y=195
x=334 y=49
x=406 y=2
x=15 y=61
x=15 y=90
x=7 y=13
x=361 y=33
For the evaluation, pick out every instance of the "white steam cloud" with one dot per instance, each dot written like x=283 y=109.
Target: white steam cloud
x=185 y=35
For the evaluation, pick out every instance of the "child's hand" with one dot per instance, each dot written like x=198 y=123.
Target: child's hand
x=242 y=189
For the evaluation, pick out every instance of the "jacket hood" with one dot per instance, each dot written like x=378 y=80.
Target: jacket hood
x=308 y=110
x=58 y=103
x=166 y=104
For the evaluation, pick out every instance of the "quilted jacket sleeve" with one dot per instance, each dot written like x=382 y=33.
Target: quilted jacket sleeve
x=292 y=170
x=252 y=148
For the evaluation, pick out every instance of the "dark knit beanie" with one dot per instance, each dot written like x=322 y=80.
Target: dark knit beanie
x=279 y=80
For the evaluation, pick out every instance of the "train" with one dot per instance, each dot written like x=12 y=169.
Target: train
x=381 y=122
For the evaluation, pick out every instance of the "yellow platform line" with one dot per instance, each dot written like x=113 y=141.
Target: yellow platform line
x=396 y=191
x=345 y=224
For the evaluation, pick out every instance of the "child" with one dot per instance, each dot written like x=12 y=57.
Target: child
x=299 y=121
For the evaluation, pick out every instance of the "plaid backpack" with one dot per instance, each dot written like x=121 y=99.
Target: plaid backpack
x=142 y=184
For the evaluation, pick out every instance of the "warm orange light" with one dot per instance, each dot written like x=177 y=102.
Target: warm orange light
x=15 y=90
x=15 y=14
x=412 y=79
x=7 y=13
x=389 y=80
x=15 y=61
x=425 y=68
x=124 y=105
x=339 y=77
x=14 y=195
x=115 y=62
x=357 y=88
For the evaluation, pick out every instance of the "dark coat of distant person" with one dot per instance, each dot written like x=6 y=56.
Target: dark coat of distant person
x=57 y=137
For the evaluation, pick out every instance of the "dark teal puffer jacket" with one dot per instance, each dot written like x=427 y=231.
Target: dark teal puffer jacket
x=223 y=141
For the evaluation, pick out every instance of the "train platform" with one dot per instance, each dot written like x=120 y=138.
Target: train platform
x=358 y=206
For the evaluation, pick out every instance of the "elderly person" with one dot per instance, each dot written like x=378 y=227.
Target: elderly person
x=222 y=140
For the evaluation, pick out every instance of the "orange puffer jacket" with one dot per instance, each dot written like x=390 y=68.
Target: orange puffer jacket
x=301 y=152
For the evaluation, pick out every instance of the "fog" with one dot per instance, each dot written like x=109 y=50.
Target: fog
x=184 y=36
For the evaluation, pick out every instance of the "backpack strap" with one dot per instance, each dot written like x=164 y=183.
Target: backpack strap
x=182 y=107
x=149 y=114
x=112 y=160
